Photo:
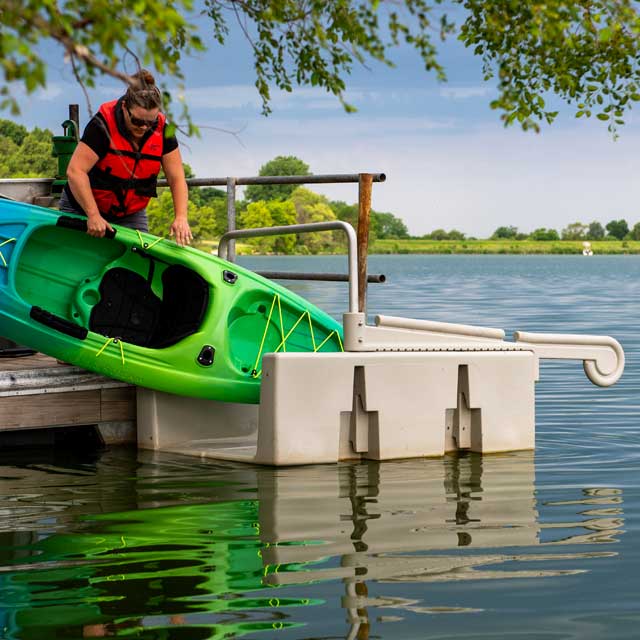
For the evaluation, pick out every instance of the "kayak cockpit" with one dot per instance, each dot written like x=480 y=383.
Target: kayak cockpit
x=129 y=309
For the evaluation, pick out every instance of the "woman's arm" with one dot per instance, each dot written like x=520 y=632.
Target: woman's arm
x=173 y=169
x=82 y=161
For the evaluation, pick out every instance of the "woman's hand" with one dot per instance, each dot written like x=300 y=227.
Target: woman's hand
x=181 y=230
x=97 y=226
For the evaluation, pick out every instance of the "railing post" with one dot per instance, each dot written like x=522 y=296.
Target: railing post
x=364 y=217
x=231 y=217
x=74 y=114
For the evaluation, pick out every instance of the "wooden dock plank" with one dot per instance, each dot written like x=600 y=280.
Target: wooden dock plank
x=50 y=409
x=36 y=361
x=118 y=404
x=38 y=392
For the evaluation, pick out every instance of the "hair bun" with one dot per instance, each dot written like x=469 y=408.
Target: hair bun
x=143 y=91
x=145 y=79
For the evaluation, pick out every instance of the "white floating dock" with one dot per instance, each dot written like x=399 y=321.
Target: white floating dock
x=403 y=388
x=413 y=389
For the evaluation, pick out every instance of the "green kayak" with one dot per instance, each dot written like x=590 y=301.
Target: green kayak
x=142 y=309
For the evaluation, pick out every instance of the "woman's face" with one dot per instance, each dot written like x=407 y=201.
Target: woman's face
x=139 y=119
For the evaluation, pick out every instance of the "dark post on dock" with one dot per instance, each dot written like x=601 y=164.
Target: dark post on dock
x=364 y=220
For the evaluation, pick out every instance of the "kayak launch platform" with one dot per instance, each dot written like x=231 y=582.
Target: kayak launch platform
x=403 y=388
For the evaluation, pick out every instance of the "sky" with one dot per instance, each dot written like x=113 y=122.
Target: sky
x=449 y=162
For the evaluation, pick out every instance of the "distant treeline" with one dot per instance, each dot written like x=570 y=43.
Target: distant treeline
x=613 y=230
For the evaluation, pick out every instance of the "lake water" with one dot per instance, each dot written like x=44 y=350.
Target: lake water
x=525 y=545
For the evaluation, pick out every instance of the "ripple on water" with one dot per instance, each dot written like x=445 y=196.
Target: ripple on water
x=517 y=545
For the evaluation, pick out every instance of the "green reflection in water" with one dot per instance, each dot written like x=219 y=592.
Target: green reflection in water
x=168 y=572
x=154 y=567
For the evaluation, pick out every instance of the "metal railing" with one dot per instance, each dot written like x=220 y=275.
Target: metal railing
x=339 y=225
x=232 y=183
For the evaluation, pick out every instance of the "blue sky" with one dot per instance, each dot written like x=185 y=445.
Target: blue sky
x=449 y=162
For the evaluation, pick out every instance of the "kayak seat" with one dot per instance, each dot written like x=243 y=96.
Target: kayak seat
x=130 y=310
x=185 y=298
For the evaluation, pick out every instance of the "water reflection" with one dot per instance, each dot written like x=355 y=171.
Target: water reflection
x=168 y=547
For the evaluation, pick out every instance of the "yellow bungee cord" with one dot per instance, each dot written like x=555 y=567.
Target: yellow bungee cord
x=146 y=245
x=4 y=262
x=114 y=341
x=255 y=373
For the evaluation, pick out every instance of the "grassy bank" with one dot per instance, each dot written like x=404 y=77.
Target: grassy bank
x=504 y=246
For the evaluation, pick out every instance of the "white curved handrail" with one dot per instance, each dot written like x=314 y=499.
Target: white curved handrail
x=310 y=227
x=602 y=356
x=447 y=328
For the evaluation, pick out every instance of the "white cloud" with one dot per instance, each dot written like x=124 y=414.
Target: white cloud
x=315 y=99
x=441 y=177
x=53 y=91
x=463 y=93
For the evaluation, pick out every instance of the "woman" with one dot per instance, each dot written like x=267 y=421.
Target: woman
x=113 y=171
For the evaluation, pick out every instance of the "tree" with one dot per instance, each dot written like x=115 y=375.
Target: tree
x=16 y=132
x=634 y=234
x=283 y=214
x=437 y=234
x=574 y=231
x=617 y=229
x=595 y=232
x=311 y=207
x=345 y=212
x=505 y=233
x=257 y=214
x=544 y=235
x=383 y=225
x=585 y=52
x=25 y=154
x=279 y=166
x=206 y=196
x=386 y=225
x=8 y=149
x=160 y=213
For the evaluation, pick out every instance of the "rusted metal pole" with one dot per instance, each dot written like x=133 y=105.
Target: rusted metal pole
x=364 y=219
x=231 y=216
x=74 y=114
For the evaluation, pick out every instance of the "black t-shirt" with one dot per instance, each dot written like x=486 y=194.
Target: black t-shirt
x=96 y=137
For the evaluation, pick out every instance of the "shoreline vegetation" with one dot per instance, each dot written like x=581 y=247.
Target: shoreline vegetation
x=503 y=246
x=418 y=246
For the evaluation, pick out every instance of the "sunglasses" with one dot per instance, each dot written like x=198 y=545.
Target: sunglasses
x=140 y=122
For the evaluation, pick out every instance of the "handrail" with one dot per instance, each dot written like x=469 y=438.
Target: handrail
x=602 y=356
x=331 y=178
x=311 y=227
x=312 y=276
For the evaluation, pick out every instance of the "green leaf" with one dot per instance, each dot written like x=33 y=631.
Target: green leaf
x=604 y=35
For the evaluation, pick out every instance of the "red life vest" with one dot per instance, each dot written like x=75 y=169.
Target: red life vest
x=125 y=179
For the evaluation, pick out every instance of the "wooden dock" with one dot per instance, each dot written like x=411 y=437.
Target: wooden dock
x=38 y=392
